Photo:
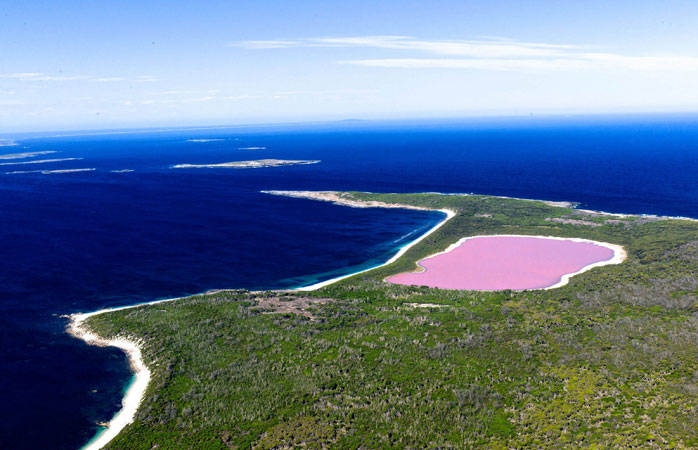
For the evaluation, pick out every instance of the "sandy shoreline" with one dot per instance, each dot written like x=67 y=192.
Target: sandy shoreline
x=402 y=251
x=134 y=394
x=136 y=391
x=337 y=198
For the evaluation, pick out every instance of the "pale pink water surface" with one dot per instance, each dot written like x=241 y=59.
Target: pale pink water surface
x=490 y=263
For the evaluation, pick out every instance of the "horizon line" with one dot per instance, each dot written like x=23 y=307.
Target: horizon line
x=71 y=132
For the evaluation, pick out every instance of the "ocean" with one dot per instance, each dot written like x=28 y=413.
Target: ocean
x=134 y=229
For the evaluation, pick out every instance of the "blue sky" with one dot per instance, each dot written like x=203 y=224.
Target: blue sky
x=86 y=64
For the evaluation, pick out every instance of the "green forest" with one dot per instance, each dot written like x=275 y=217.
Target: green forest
x=608 y=361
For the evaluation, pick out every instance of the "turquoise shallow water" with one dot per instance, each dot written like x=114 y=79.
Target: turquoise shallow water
x=82 y=241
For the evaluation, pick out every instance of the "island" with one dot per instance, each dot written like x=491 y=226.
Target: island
x=606 y=360
x=39 y=161
x=24 y=154
x=50 y=172
x=257 y=164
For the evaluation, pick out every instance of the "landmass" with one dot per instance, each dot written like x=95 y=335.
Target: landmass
x=7 y=143
x=608 y=360
x=49 y=172
x=39 y=161
x=25 y=154
x=346 y=199
x=247 y=164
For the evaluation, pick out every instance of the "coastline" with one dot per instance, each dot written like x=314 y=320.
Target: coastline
x=449 y=214
x=141 y=373
x=337 y=198
x=135 y=392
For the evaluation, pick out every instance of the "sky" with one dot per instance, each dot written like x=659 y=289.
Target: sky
x=98 y=65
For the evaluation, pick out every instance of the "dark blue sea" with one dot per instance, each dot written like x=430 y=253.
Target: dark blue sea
x=85 y=240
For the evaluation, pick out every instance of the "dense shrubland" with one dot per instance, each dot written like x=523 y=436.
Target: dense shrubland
x=608 y=361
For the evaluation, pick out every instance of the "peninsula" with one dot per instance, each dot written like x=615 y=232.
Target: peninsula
x=257 y=164
x=607 y=360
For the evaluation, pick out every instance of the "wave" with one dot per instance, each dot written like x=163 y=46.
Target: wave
x=205 y=140
x=403 y=237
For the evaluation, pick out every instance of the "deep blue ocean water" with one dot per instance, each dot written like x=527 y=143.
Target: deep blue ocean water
x=82 y=241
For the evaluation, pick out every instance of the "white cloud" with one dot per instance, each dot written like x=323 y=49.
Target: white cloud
x=22 y=75
x=486 y=54
x=476 y=49
x=176 y=101
x=470 y=48
x=266 y=44
x=39 y=76
x=146 y=79
x=107 y=79
x=584 y=62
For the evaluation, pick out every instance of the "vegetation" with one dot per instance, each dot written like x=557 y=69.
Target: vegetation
x=608 y=361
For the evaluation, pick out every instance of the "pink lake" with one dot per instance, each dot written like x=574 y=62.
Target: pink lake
x=490 y=263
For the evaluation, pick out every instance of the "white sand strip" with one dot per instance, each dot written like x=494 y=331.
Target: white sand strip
x=449 y=214
x=134 y=395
